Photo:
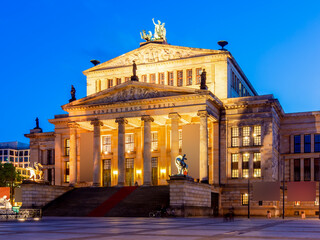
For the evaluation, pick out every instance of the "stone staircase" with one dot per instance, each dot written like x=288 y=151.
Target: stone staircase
x=109 y=202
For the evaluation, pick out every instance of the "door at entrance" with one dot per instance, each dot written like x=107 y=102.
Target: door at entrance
x=154 y=165
x=129 y=179
x=107 y=172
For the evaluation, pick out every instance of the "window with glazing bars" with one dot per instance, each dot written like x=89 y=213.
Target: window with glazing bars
x=307 y=143
x=129 y=142
x=307 y=169
x=189 y=77
x=234 y=165
x=244 y=199
x=170 y=79
x=118 y=81
x=179 y=78
x=126 y=79
x=198 y=75
x=235 y=137
x=106 y=144
x=153 y=78
x=245 y=165
x=161 y=78
x=297 y=170
x=154 y=141
x=317 y=143
x=297 y=143
x=144 y=78
x=256 y=164
x=110 y=83
x=245 y=136
x=256 y=135
x=67 y=147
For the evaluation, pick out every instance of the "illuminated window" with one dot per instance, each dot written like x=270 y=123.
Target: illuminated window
x=66 y=172
x=198 y=75
x=316 y=202
x=179 y=78
x=234 y=165
x=106 y=144
x=245 y=136
x=257 y=165
x=129 y=142
x=244 y=199
x=118 y=80
x=153 y=78
x=67 y=147
x=189 y=77
x=126 y=79
x=180 y=139
x=234 y=137
x=170 y=79
x=257 y=135
x=154 y=141
x=245 y=165
x=297 y=203
x=110 y=83
x=161 y=78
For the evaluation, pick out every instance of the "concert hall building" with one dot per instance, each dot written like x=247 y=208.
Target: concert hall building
x=130 y=132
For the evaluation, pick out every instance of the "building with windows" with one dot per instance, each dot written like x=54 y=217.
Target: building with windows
x=125 y=132
x=16 y=153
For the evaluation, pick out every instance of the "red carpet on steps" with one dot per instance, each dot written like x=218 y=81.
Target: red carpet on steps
x=111 y=202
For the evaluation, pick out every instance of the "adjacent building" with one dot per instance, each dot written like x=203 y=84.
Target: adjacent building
x=16 y=153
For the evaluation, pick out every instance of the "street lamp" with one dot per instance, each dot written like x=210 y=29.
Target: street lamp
x=247 y=176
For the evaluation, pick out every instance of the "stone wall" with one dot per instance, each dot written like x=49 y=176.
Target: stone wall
x=36 y=195
x=189 y=198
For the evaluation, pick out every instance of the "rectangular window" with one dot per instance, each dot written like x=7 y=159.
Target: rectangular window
x=245 y=165
x=234 y=165
x=106 y=144
x=20 y=153
x=317 y=169
x=257 y=165
x=170 y=79
x=244 y=199
x=26 y=153
x=296 y=169
x=179 y=78
x=50 y=160
x=180 y=139
x=235 y=137
x=153 y=78
x=307 y=169
x=126 y=79
x=189 y=77
x=307 y=143
x=118 y=81
x=154 y=141
x=161 y=78
x=144 y=78
x=245 y=136
x=256 y=135
x=316 y=202
x=110 y=83
x=66 y=172
x=67 y=147
x=5 y=152
x=198 y=75
x=317 y=142
x=297 y=143
x=129 y=142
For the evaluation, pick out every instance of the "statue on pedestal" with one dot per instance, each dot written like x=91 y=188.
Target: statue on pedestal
x=159 y=31
x=73 y=94
x=36 y=173
x=134 y=77
x=203 y=85
x=146 y=36
x=181 y=165
x=37 y=123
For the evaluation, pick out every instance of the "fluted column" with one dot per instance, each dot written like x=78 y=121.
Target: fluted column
x=121 y=150
x=203 y=145
x=175 y=117
x=73 y=153
x=147 y=150
x=96 y=153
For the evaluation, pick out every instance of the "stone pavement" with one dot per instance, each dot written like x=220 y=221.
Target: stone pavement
x=160 y=228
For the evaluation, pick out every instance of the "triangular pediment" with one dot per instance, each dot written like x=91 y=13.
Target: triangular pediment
x=152 y=53
x=130 y=91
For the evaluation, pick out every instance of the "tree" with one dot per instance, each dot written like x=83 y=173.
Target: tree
x=9 y=177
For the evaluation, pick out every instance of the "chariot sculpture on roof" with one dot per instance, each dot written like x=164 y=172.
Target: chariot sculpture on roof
x=159 y=32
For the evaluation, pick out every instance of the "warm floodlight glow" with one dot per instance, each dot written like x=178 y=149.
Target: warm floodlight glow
x=163 y=171
x=138 y=171
x=254 y=135
x=36 y=219
x=115 y=172
x=21 y=219
x=246 y=176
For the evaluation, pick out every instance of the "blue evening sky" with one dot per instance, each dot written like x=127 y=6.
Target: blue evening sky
x=45 y=45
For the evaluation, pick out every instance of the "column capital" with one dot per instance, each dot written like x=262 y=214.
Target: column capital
x=96 y=122
x=121 y=120
x=174 y=115
x=73 y=124
x=202 y=113
x=147 y=118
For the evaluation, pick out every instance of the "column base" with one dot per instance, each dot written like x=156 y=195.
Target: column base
x=147 y=184
x=96 y=185
x=120 y=184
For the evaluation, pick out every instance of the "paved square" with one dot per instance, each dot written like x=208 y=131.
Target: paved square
x=160 y=228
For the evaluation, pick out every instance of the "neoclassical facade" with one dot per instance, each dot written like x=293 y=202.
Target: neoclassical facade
x=128 y=132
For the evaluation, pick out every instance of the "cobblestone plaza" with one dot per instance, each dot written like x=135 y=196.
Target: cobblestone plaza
x=161 y=228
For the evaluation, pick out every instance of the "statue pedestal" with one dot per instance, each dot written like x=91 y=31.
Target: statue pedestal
x=161 y=41
x=181 y=177
x=29 y=181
